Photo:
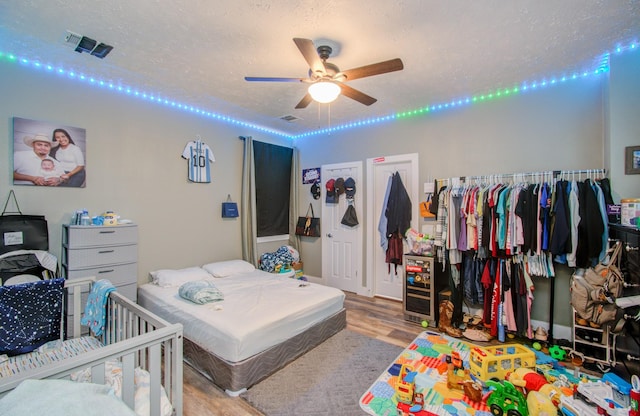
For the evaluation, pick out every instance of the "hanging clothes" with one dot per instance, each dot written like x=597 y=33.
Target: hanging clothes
x=398 y=215
x=517 y=230
x=382 y=223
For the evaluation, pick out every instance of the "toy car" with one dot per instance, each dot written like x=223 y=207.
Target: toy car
x=506 y=399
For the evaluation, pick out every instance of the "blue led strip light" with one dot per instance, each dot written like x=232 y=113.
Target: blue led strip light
x=138 y=94
x=603 y=67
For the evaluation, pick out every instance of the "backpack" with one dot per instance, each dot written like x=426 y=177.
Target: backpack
x=594 y=290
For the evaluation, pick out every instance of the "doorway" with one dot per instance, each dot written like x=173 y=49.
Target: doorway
x=342 y=247
x=382 y=280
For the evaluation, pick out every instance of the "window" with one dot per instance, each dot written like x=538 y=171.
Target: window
x=273 y=179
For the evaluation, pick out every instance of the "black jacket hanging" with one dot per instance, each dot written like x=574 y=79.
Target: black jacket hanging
x=398 y=209
x=398 y=213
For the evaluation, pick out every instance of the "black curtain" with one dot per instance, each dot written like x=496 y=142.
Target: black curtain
x=272 y=178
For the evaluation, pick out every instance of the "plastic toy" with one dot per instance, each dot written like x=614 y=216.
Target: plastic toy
x=570 y=406
x=405 y=409
x=634 y=396
x=456 y=374
x=405 y=384
x=602 y=397
x=556 y=351
x=494 y=362
x=506 y=399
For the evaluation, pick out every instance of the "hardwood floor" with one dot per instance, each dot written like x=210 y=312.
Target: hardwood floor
x=377 y=318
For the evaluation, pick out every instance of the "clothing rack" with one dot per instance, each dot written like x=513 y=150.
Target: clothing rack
x=540 y=176
x=534 y=177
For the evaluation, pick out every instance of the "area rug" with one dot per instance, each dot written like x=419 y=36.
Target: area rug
x=427 y=354
x=327 y=380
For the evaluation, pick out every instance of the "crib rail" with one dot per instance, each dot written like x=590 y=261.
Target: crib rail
x=133 y=336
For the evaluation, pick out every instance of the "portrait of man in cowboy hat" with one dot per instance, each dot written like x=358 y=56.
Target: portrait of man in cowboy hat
x=31 y=149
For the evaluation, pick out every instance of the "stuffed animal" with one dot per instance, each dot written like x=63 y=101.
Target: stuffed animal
x=532 y=381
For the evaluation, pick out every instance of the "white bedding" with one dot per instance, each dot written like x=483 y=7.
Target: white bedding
x=259 y=310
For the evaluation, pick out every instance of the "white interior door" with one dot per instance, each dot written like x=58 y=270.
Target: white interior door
x=342 y=245
x=385 y=281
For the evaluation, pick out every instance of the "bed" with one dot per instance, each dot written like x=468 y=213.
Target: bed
x=133 y=339
x=263 y=321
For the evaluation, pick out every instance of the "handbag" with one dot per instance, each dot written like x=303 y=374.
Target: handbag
x=309 y=225
x=22 y=232
x=594 y=291
x=229 y=208
x=425 y=209
x=350 y=218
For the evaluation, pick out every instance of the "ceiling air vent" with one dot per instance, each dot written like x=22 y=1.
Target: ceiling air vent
x=289 y=118
x=82 y=43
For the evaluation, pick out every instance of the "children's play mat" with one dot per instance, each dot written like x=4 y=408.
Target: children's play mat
x=429 y=358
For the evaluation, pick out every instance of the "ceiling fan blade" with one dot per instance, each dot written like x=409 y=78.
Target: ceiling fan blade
x=359 y=96
x=306 y=100
x=270 y=79
x=374 y=69
x=308 y=50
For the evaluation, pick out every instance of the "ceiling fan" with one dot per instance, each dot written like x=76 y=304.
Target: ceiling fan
x=323 y=74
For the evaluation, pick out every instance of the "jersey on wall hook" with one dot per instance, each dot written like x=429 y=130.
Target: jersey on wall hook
x=200 y=156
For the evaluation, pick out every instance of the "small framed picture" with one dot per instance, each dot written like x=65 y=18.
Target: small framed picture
x=632 y=160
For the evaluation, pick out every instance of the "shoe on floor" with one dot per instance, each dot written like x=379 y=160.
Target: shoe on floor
x=540 y=334
x=477 y=335
x=475 y=320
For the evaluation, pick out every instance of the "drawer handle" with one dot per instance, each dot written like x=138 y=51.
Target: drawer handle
x=105 y=251
x=108 y=232
x=105 y=271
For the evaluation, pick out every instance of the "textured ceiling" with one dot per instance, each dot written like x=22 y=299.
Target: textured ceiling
x=197 y=52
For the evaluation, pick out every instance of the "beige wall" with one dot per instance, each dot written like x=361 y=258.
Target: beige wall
x=135 y=168
x=624 y=112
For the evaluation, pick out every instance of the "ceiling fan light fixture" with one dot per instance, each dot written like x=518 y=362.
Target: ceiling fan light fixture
x=324 y=91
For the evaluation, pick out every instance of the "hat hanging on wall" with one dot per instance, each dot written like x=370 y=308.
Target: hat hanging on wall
x=315 y=190
x=331 y=197
x=339 y=186
x=350 y=188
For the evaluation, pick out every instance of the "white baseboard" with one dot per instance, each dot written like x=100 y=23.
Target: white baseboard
x=314 y=279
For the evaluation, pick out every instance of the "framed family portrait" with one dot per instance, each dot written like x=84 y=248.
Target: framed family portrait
x=632 y=160
x=47 y=154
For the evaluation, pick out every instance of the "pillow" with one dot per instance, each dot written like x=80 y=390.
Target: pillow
x=228 y=268
x=168 y=277
x=200 y=292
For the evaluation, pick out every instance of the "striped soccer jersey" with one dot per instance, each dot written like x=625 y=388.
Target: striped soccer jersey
x=199 y=156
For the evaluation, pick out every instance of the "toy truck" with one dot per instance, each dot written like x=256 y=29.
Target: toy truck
x=597 y=398
x=494 y=362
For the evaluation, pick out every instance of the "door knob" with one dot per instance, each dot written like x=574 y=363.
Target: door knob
x=330 y=235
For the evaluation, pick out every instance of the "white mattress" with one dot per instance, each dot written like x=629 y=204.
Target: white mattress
x=259 y=310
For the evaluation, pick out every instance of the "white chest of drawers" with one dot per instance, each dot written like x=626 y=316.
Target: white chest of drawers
x=104 y=252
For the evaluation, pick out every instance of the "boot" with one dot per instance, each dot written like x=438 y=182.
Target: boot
x=444 y=322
